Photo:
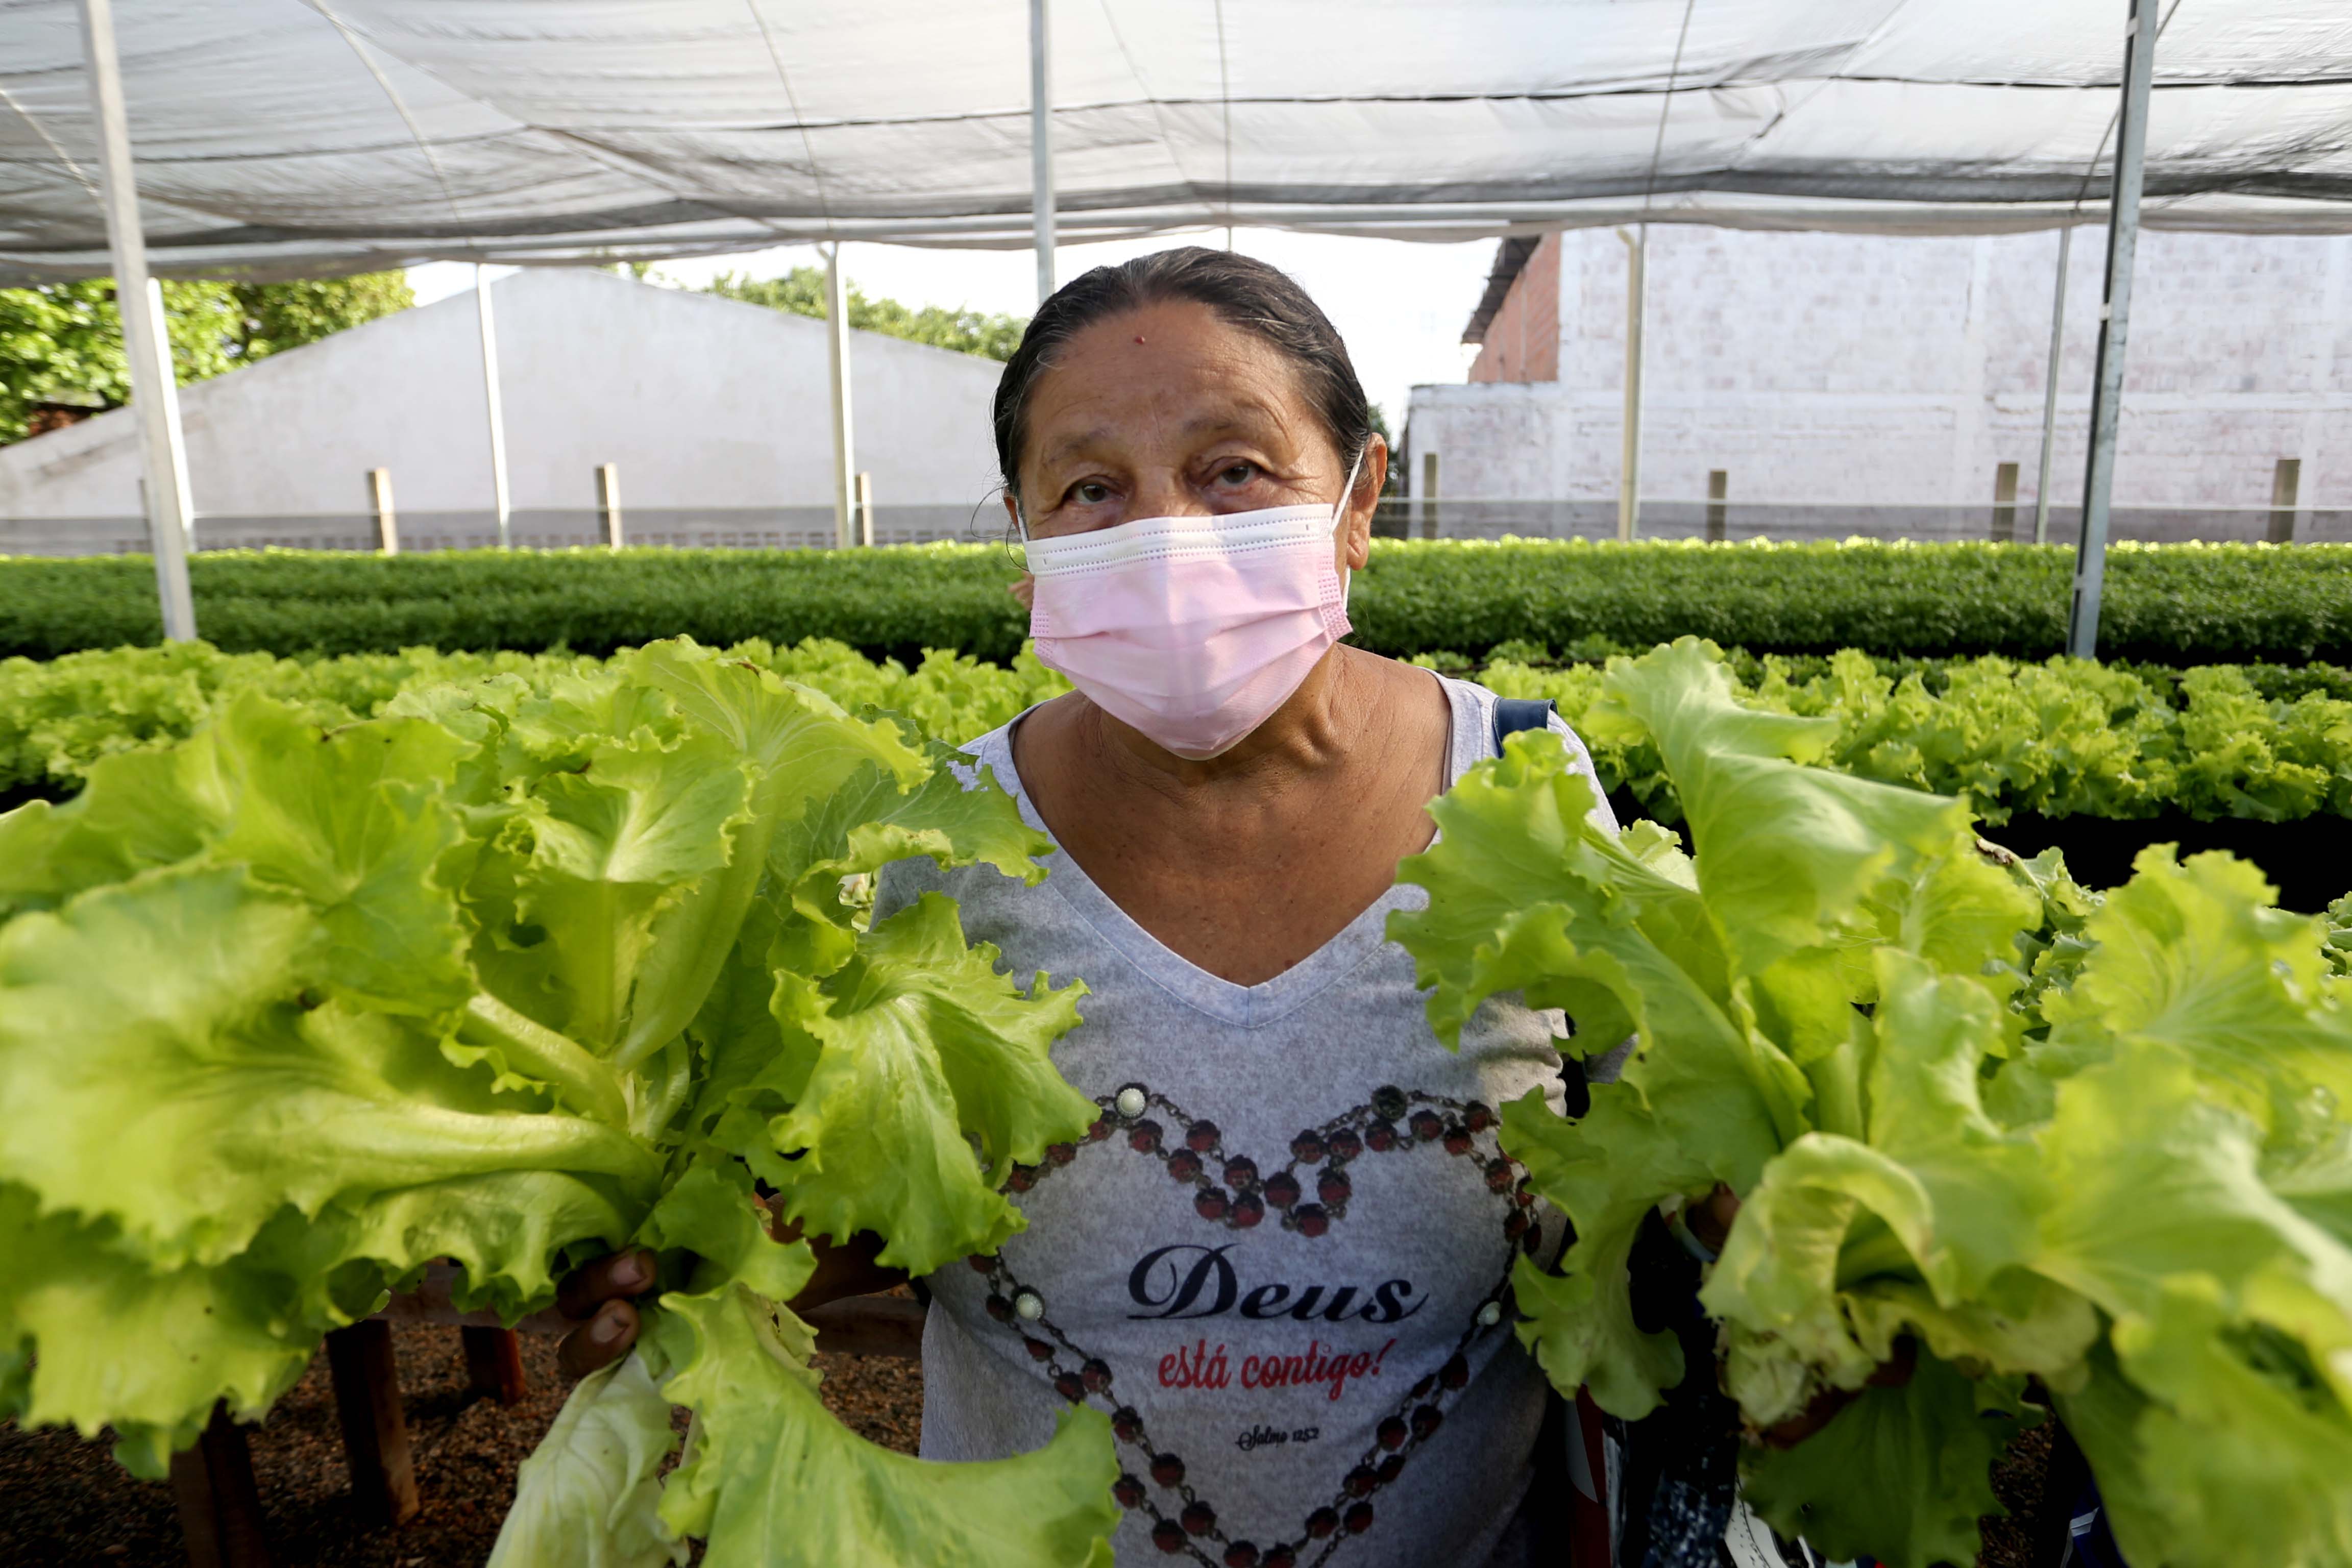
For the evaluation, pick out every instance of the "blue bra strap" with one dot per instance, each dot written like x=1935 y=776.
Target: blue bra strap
x=1513 y=714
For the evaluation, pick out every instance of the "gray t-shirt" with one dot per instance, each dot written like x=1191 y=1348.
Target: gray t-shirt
x=1283 y=1268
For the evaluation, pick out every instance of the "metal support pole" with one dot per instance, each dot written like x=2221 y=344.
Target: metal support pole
x=1629 y=463
x=2050 y=388
x=845 y=444
x=498 y=414
x=2108 y=384
x=608 y=501
x=1041 y=150
x=865 y=509
x=139 y=300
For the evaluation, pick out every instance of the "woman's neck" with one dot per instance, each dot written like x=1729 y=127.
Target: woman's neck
x=1311 y=732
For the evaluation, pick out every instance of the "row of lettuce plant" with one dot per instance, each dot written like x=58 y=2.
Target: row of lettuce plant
x=2059 y=738
x=2181 y=604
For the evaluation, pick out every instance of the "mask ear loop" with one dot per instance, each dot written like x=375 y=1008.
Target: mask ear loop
x=1338 y=511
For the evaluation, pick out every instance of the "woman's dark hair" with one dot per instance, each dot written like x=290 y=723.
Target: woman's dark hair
x=1243 y=292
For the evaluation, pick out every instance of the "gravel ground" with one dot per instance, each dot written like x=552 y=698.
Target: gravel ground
x=64 y=1502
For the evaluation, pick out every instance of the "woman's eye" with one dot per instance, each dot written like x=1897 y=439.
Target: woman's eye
x=1237 y=473
x=1090 y=492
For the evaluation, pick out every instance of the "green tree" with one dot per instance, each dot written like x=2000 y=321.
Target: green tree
x=61 y=343
x=802 y=291
x=277 y=316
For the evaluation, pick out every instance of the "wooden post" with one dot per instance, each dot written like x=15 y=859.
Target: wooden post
x=866 y=509
x=1718 y=515
x=2004 y=503
x=375 y=1432
x=387 y=522
x=608 y=501
x=2286 y=479
x=1428 y=495
x=219 y=1506
x=493 y=1363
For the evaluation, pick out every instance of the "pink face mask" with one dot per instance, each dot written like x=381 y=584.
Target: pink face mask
x=1192 y=629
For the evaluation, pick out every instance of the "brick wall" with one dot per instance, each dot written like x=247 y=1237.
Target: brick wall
x=1897 y=370
x=1522 y=341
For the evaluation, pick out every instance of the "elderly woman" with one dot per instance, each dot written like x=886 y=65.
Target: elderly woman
x=1281 y=1261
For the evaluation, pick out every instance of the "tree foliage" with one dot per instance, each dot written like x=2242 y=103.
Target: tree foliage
x=61 y=343
x=802 y=291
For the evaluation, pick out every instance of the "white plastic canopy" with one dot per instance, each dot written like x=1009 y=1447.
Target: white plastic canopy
x=274 y=137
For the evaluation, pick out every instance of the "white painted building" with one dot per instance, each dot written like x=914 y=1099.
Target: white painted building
x=1859 y=383
x=717 y=413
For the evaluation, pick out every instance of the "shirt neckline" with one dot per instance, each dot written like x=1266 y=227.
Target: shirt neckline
x=1249 y=1007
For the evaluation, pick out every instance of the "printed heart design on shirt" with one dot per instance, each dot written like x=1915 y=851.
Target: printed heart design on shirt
x=1231 y=1192
x=1231 y=1189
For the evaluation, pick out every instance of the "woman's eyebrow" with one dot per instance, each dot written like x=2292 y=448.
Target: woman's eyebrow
x=1249 y=420
x=1075 y=446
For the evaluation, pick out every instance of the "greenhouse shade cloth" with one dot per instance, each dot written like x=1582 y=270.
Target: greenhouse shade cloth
x=277 y=138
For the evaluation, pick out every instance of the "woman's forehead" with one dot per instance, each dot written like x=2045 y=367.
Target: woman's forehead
x=1177 y=369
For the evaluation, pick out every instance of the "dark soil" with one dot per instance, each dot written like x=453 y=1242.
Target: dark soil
x=2022 y=1538
x=64 y=1502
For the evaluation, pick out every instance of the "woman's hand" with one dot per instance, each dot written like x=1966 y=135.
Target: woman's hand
x=597 y=1297
x=1023 y=588
x=1709 y=1221
x=1710 y=1218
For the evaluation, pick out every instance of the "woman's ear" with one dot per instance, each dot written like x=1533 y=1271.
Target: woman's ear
x=1012 y=510
x=1356 y=534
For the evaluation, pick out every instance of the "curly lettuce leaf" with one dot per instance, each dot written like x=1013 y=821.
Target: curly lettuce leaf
x=712 y=1213
x=1606 y=1172
x=590 y=1495
x=105 y=1342
x=1580 y=922
x=194 y=1094
x=2189 y=955
x=931 y=1078
x=2243 y=1450
x=1785 y=852
x=1938 y=1194
x=1902 y=1474
x=771 y=1480
x=801 y=751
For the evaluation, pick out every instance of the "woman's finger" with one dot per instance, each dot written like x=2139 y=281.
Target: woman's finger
x=1810 y=1419
x=602 y=1341
x=1893 y=1373
x=608 y=1278
x=1026 y=590
x=1710 y=1219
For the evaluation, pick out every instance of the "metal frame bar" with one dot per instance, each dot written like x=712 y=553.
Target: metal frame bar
x=844 y=441
x=2115 y=315
x=1629 y=464
x=499 y=495
x=2050 y=387
x=1041 y=150
x=169 y=502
